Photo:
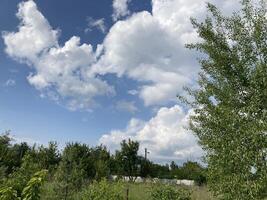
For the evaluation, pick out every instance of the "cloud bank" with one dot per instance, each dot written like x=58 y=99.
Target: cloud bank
x=146 y=47
x=165 y=136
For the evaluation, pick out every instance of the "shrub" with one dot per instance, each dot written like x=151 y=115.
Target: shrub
x=168 y=192
x=102 y=190
x=8 y=193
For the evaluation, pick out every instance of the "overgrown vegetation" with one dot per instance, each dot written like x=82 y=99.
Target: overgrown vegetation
x=78 y=172
x=230 y=104
x=167 y=192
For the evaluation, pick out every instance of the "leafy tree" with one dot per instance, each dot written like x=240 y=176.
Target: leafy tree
x=128 y=158
x=101 y=160
x=49 y=157
x=173 y=165
x=75 y=167
x=230 y=104
x=146 y=169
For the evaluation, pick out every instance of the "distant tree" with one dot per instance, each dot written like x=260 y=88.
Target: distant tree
x=102 y=162
x=128 y=158
x=230 y=103
x=76 y=166
x=146 y=169
x=49 y=157
x=173 y=165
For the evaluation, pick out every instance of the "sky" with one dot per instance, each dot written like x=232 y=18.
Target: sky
x=101 y=71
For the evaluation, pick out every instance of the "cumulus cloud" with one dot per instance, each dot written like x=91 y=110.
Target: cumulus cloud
x=126 y=106
x=120 y=9
x=165 y=135
x=34 y=34
x=149 y=48
x=59 y=70
x=146 y=47
x=96 y=23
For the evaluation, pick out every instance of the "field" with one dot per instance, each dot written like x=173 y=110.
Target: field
x=141 y=192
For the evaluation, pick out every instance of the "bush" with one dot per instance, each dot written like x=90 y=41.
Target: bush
x=8 y=193
x=168 y=192
x=102 y=190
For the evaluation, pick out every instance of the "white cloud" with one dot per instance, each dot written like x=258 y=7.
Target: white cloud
x=165 y=135
x=10 y=83
x=34 y=34
x=128 y=106
x=96 y=23
x=145 y=50
x=146 y=47
x=149 y=48
x=59 y=71
x=120 y=9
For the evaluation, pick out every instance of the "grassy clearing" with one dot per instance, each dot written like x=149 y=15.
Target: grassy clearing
x=142 y=192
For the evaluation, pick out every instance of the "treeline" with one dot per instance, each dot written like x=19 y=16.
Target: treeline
x=78 y=164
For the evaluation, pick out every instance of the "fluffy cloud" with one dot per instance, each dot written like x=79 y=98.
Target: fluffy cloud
x=165 y=135
x=120 y=9
x=149 y=48
x=146 y=47
x=34 y=34
x=59 y=70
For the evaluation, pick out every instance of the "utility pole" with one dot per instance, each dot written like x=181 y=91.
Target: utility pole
x=146 y=152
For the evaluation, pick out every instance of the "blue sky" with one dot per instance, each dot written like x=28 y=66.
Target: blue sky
x=100 y=71
x=41 y=119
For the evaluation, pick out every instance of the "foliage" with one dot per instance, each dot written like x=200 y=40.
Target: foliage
x=230 y=103
x=75 y=167
x=103 y=190
x=8 y=193
x=190 y=170
x=168 y=192
x=30 y=192
x=128 y=158
x=32 y=189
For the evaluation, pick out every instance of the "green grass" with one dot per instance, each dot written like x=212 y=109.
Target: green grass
x=141 y=191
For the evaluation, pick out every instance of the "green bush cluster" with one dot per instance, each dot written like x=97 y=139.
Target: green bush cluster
x=102 y=190
x=30 y=192
x=168 y=192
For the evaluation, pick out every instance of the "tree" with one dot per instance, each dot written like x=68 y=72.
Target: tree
x=230 y=103
x=75 y=167
x=49 y=157
x=101 y=160
x=128 y=158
